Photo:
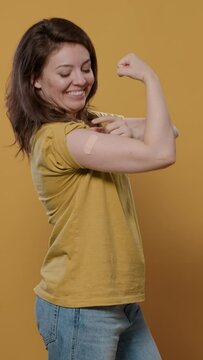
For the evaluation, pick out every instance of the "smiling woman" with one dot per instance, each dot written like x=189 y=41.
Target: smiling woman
x=87 y=302
x=41 y=50
x=67 y=85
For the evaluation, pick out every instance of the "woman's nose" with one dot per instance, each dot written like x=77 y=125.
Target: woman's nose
x=79 y=79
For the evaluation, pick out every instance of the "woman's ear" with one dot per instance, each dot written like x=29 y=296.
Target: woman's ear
x=37 y=84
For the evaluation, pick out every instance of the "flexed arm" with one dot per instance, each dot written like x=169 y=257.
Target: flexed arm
x=158 y=129
x=121 y=154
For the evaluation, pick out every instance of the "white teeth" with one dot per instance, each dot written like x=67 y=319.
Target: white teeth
x=77 y=93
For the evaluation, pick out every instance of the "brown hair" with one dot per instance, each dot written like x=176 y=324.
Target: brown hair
x=26 y=109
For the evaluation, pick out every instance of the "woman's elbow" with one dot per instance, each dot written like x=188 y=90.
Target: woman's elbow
x=171 y=160
x=168 y=159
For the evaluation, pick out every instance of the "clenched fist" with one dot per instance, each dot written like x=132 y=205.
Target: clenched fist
x=134 y=67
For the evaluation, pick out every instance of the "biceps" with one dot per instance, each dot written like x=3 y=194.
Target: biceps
x=110 y=153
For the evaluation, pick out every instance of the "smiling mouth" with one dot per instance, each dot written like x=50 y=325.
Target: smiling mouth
x=76 y=92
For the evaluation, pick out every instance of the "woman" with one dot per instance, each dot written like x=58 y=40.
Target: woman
x=87 y=303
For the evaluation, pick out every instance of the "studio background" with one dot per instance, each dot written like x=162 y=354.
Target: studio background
x=166 y=34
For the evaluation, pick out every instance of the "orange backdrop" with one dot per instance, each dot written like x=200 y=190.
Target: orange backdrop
x=169 y=202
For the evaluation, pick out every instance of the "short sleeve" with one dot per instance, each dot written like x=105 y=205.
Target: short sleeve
x=50 y=152
x=63 y=156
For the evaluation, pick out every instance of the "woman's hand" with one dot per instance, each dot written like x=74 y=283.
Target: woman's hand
x=137 y=126
x=115 y=125
x=134 y=67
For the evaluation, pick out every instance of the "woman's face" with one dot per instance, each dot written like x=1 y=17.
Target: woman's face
x=67 y=78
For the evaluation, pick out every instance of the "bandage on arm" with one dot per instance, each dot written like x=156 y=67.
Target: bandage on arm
x=89 y=145
x=112 y=153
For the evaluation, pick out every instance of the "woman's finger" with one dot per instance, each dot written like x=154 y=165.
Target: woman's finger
x=116 y=131
x=113 y=125
x=104 y=119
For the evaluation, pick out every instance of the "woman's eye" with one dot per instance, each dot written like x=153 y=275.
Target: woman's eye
x=64 y=75
x=86 y=70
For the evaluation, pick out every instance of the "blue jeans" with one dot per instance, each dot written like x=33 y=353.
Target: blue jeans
x=115 y=332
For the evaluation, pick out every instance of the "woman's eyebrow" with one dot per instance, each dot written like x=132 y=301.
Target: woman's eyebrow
x=69 y=65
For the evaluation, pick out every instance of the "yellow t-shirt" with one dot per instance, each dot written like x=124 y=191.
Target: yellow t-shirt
x=95 y=254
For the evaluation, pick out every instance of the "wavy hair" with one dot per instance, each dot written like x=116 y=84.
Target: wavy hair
x=26 y=109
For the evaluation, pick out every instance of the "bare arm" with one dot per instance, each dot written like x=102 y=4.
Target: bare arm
x=121 y=154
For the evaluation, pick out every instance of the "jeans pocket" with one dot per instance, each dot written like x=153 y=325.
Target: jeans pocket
x=47 y=317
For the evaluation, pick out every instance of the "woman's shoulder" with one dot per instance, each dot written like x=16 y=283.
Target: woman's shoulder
x=49 y=128
x=54 y=131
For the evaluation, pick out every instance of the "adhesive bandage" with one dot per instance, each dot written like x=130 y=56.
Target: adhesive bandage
x=90 y=143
